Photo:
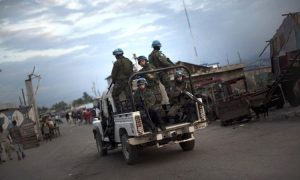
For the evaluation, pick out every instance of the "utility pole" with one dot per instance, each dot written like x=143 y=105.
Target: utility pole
x=23 y=97
x=21 y=103
x=190 y=28
x=227 y=60
x=94 y=88
x=239 y=57
x=31 y=99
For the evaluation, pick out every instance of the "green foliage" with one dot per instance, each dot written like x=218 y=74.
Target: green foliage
x=60 y=106
x=42 y=109
x=86 y=98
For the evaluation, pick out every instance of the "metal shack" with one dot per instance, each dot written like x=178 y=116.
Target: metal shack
x=285 y=57
x=24 y=116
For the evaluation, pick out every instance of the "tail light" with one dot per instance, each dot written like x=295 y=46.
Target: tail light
x=139 y=125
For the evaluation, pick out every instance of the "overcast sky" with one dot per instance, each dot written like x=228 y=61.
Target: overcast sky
x=70 y=42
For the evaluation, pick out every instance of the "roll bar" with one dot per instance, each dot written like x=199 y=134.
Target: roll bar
x=155 y=71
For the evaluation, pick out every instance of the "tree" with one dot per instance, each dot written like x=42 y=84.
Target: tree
x=87 y=98
x=42 y=110
x=60 y=106
x=77 y=102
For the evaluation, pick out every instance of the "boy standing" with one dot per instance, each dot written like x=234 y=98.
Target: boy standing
x=16 y=136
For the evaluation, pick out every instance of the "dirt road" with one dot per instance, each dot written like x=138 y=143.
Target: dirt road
x=264 y=149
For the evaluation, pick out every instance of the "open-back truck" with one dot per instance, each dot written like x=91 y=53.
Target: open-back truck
x=128 y=131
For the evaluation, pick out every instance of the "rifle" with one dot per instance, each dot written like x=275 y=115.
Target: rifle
x=150 y=122
x=109 y=87
x=192 y=97
x=145 y=107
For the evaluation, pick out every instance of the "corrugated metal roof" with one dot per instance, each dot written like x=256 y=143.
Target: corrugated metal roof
x=285 y=39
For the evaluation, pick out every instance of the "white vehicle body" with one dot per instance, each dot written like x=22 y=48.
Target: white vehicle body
x=130 y=132
x=131 y=123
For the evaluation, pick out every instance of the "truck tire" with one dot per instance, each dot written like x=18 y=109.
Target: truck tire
x=188 y=145
x=102 y=151
x=130 y=152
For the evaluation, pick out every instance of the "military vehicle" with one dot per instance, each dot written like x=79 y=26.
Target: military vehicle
x=128 y=131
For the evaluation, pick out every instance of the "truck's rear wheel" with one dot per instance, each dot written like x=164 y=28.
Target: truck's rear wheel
x=188 y=145
x=130 y=152
x=102 y=151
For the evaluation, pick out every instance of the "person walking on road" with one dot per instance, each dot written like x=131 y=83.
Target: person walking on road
x=67 y=116
x=5 y=144
x=16 y=137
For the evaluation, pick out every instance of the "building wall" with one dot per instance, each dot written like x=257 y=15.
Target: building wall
x=225 y=75
x=258 y=78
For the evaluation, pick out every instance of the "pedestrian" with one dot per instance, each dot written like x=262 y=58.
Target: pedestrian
x=89 y=115
x=145 y=102
x=159 y=60
x=85 y=116
x=74 y=117
x=79 y=117
x=122 y=70
x=16 y=137
x=5 y=144
x=152 y=78
x=46 y=128
x=67 y=116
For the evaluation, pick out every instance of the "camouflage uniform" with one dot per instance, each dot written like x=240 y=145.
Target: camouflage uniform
x=153 y=82
x=159 y=60
x=181 y=103
x=147 y=98
x=176 y=92
x=122 y=70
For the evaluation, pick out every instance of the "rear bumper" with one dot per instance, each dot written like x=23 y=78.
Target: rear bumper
x=171 y=134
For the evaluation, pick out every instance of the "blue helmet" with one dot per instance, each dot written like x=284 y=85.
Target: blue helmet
x=141 y=81
x=156 y=43
x=142 y=58
x=118 y=51
x=179 y=73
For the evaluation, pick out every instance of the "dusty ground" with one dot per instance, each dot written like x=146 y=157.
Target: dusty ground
x=264 y=149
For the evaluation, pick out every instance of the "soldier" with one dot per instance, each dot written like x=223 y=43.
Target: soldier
x=152 y=79
x=159 y=60
x=145 y=101
x=122 y=70
x=180 y=102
